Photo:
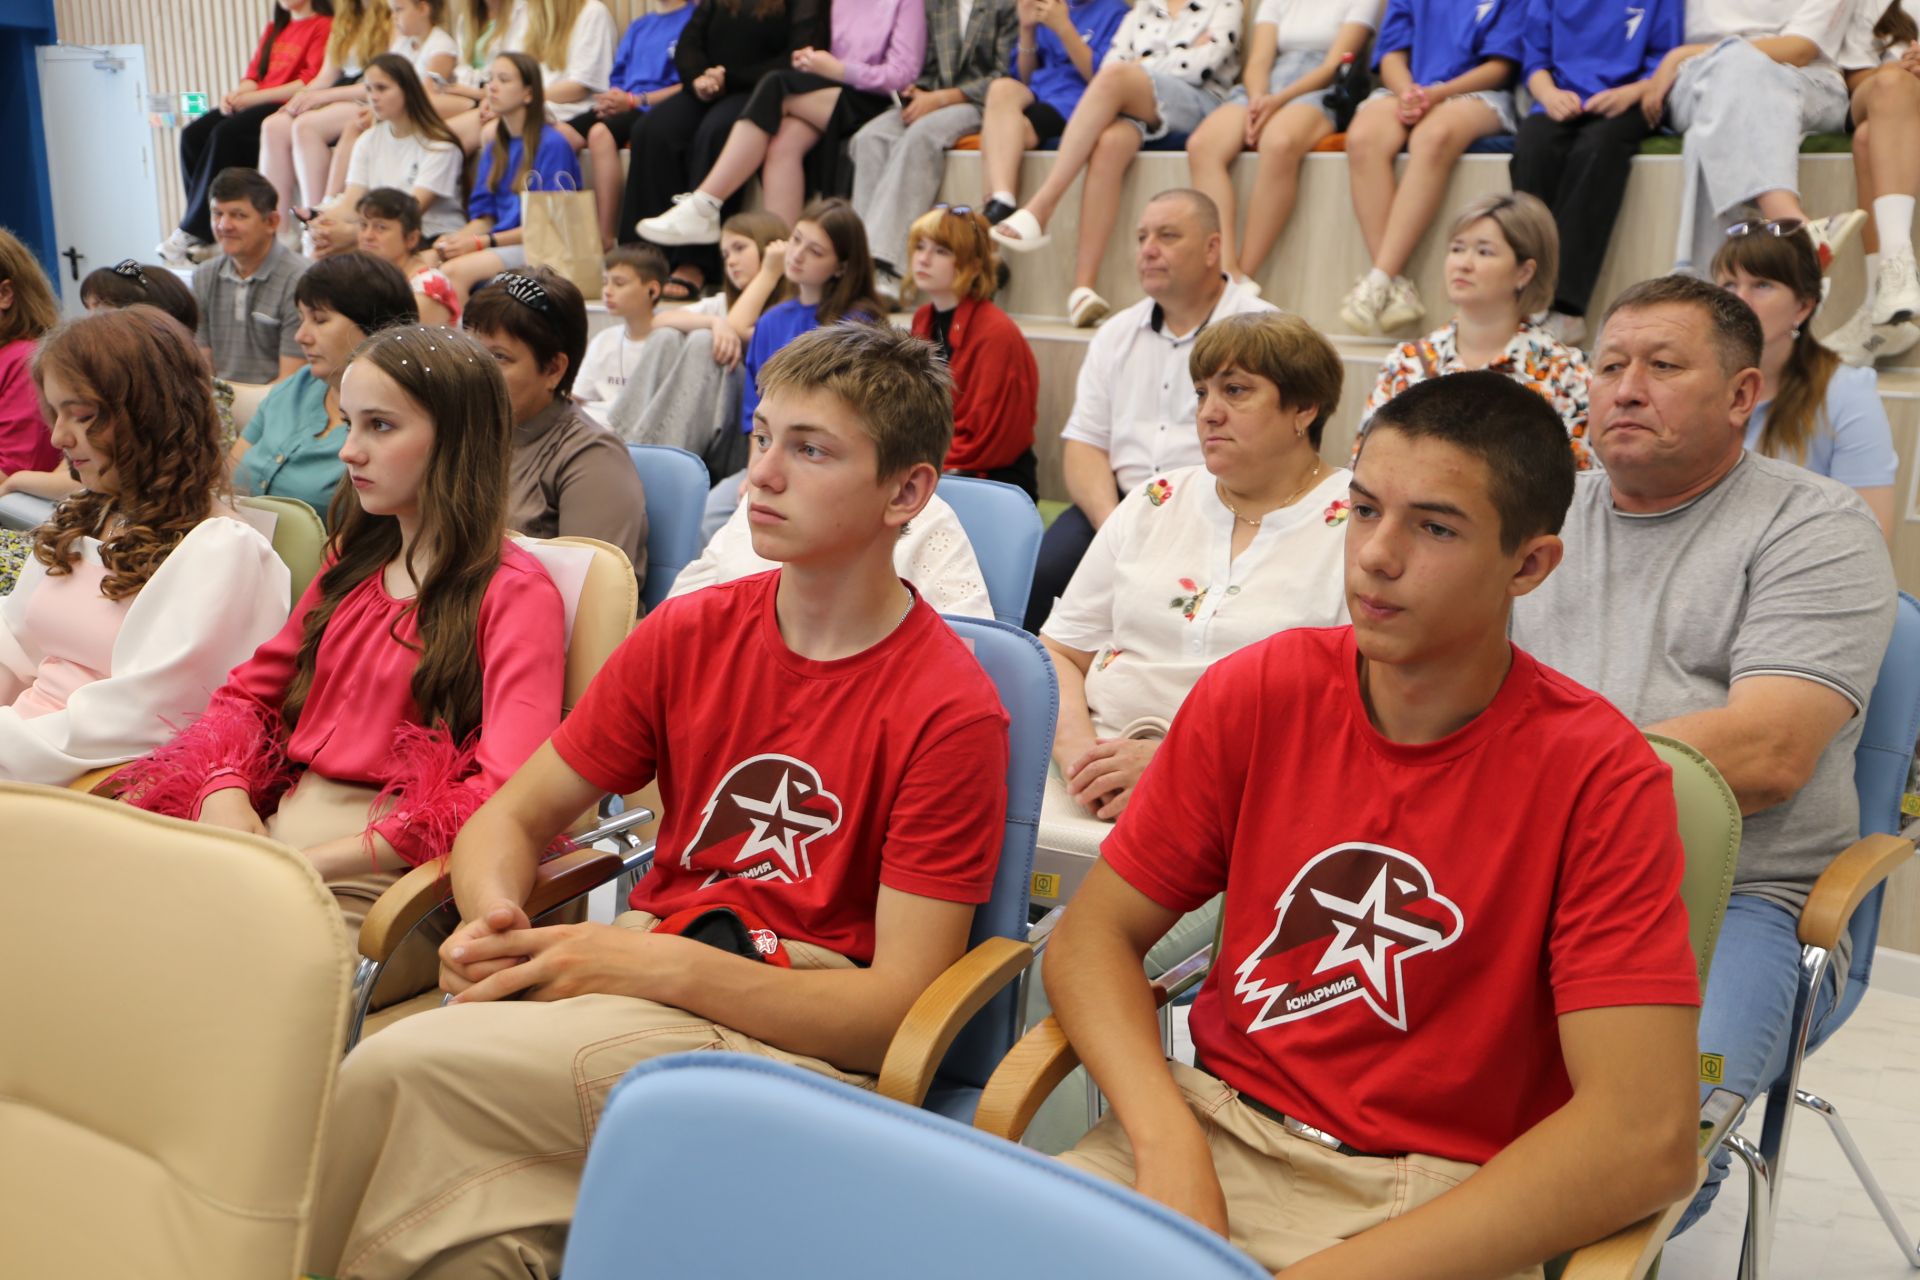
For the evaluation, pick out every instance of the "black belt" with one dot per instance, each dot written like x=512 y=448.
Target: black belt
x=1298 y=1128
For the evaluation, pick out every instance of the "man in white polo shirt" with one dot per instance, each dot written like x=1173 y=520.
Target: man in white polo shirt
x=1133 y=408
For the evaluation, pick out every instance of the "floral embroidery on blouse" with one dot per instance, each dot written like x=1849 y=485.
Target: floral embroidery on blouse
x=1189 y=604
x=1534 y=358
x=1336 y=513
x=1159 y=491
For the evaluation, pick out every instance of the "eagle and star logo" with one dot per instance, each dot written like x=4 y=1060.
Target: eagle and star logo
x=761 y=820
x=1347 y=924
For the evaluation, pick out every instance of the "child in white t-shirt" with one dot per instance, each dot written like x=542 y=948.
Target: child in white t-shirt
x=632 y=278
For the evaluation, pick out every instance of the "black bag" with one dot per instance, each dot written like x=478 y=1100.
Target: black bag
x=1352 y=85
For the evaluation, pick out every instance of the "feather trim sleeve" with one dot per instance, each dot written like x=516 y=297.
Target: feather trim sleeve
x=432 y=788
x=237 y=742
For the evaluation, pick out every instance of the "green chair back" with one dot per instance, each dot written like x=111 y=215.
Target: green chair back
x=299 y=539
x=1710 y=831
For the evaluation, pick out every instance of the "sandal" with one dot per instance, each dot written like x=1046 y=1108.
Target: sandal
x=1086 y=308
x=1028 y=233
x=679 y=289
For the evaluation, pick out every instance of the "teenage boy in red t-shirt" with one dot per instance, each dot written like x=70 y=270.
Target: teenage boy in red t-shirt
x=832 y=764
x=1453 y=932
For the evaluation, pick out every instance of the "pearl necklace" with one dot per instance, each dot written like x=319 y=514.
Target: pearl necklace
x=1220 y=490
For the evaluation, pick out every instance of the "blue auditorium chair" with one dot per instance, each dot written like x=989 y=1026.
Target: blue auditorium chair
x=1845 y=902
x=1004 y=527
x=721 y=1164
x=676 y=486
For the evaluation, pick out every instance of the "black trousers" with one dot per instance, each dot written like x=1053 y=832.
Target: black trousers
x=210 y=144
x=673 y=146
x=1061 y=549
x=1579 y=169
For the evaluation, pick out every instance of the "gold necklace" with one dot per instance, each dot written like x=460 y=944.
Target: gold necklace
x=1221 y=491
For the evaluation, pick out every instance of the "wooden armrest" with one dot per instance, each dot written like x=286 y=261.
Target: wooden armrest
x=1023 y=1080
x=928 y=1030
x=425 y=889
x=1629 y=1253
x=1035 y=1067
x=1845 y=883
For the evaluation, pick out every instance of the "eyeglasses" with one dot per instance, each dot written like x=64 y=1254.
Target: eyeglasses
x=528 y=292
x=1769 y=226
x=128 y=269
x=958 y=210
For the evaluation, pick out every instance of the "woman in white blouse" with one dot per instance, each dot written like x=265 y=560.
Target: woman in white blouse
x=1203 y=560
x=933 y=554
x=145 y=587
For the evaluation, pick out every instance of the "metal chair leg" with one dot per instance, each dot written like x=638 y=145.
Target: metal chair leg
x=365 y=974
x=1831 y=1114
x=1758 y=1244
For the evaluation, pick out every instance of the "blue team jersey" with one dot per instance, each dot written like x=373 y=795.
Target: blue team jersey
x=1055 y=81
x=644 y=60
x=1590 y=45
x=1446 y=38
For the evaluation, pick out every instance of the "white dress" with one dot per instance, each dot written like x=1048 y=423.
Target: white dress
x=933 y=554
x=86 y=682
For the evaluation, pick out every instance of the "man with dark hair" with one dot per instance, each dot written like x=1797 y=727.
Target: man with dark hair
x=1451 y=934
x=832 y=766
x=247 y=314
x=1737 y=603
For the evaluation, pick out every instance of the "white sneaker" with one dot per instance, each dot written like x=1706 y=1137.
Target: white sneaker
x=694 y=219
x=1896 y=288
x=177 y=249
x=1859 y=342
x=1361 y=310
x=1831 y=234
x=1403 y=306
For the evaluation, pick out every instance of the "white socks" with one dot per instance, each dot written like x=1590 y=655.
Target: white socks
x=1893 y=220
x=1004 y=197
x=710 y=201
x=1378 y=278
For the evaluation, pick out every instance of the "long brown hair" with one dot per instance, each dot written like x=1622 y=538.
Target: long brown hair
x=361 y=29
x=1799 y=401
x=463 y=518
x=155 y=408
x=421 y=117
x=763 y=229
x=34 y=310
x=852 y=289
x=531 y=125
x=1896 y=26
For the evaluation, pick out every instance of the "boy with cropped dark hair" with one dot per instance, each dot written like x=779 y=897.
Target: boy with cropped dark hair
x=1449 y=1024
x=631 y=279
x=831 y=763
x=247 y=314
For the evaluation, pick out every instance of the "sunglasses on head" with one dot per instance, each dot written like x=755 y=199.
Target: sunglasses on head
x=1766 y=226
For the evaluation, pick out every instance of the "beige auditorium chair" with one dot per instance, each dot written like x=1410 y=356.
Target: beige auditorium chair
x=167 y=1054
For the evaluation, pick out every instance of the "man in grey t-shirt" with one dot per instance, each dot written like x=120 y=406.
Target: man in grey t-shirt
x=1738 y=603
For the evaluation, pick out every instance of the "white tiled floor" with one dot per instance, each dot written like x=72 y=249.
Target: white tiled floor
x=1828 y=1229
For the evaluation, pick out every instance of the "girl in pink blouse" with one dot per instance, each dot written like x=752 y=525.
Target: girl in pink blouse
x=422 y=666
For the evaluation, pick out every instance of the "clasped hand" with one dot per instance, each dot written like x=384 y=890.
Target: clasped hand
x=1101 y=780
x=501 y=954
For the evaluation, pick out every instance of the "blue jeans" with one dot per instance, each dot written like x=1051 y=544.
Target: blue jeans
x=1747 y=1015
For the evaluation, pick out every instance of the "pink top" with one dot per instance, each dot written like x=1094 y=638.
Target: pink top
x=360 y=723
x=25 y=442
x=77 y=626
x=883 y=43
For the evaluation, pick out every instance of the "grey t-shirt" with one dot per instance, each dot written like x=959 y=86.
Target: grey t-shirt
x=249 y=324
x=1773 y=571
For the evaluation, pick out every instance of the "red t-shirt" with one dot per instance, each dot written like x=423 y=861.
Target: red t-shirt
x=1403 y=924
x=298 y=52
x=794 y=789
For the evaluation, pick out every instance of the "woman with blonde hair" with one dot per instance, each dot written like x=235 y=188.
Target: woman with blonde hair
x=146 y=586
x=1502 y=261
x=1813 y=410
x=996 y=382
x=296 y=141
x=572 y=43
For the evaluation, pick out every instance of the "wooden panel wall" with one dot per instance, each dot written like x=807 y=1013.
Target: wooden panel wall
x=192 y=46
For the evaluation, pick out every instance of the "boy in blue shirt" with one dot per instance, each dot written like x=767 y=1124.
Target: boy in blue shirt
x=1059 y=48
x=1446 y=71
x=1587 y=65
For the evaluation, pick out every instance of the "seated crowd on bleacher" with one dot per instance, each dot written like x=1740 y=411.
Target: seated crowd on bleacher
x=1357 y=713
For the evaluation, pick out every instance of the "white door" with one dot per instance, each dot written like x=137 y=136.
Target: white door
x=106 y=202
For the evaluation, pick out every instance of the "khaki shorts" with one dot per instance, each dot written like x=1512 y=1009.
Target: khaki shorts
x=1287 y=1197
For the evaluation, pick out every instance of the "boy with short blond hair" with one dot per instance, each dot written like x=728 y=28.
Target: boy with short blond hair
x=852 y=858
x=631 y=279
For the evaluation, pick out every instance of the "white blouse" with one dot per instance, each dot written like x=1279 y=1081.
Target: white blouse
x=933 y=554
x=86 y=682
x=589 y=50
x=1160 y=596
